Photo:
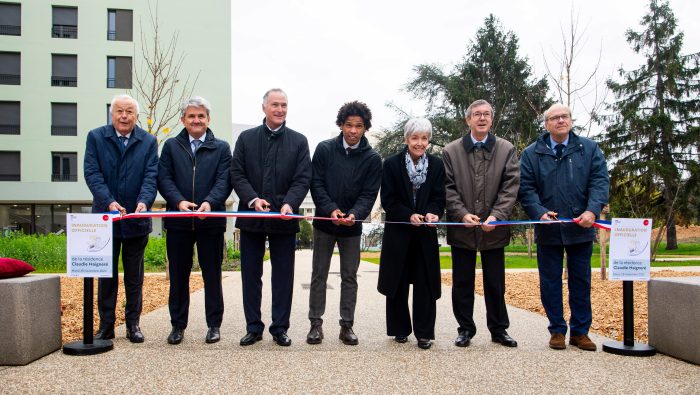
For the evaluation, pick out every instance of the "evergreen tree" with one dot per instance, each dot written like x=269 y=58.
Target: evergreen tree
x=652 y=137
x=491 y=70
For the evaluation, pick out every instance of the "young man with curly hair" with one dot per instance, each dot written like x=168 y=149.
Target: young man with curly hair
x=347 y=173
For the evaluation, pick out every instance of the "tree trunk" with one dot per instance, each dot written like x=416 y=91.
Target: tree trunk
x=671 y=241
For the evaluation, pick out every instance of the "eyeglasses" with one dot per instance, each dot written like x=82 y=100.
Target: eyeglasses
x=555 y=118
x=485 y=115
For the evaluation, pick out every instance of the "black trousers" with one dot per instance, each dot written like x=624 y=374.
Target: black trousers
x=210 y=247
x=398 y=317
x=132 y=258
x=463 y=270
x=282 y=259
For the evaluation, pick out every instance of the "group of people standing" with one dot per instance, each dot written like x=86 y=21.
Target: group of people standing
x=477 y=181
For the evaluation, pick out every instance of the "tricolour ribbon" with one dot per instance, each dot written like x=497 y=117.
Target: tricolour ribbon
x=276 y=215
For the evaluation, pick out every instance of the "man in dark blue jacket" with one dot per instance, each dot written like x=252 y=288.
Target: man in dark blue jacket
x=270 y=171
x=347 y=173
x=564 y=175
x=193 y=176
x=121 y=170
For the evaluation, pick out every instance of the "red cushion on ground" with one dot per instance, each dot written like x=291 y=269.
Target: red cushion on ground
x=11 y=267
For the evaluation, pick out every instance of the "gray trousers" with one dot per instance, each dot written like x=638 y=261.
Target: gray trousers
x=349 y=248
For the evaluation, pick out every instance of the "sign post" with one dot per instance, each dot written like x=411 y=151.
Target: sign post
x=629 y=261
x=89 y=255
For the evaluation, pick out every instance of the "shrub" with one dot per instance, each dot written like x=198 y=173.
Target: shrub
x=47 y=253
x=154 y=256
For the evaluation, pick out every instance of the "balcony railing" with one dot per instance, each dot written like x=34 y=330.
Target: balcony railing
x=10 y=30
x=64 y=177
x=64 y=130
x=10 y=177
x=10 y=79
x=111 y=82
x=111 y=35
x=57 y=80
x=64 y=31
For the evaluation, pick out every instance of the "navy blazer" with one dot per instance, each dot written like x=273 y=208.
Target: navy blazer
x=127 y=177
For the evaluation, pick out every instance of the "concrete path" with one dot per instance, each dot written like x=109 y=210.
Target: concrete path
x=376 y=365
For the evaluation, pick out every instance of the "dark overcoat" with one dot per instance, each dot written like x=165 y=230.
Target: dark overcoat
x=397 y=201
x=126 y=176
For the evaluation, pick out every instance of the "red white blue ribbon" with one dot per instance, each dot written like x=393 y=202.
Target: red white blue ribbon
x=276 y=215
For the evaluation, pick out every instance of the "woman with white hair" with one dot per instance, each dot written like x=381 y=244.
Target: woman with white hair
x=412 y=192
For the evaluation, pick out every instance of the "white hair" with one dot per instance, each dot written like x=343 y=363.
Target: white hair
x=418 y=125
x=124 y=97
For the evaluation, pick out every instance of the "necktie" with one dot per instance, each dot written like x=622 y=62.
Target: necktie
x=195 y=145
x=479 y=145
x=123 y=141
x=348 y=150
x=559 y=148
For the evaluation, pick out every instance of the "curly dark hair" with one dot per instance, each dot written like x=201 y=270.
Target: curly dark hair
x=355 y=108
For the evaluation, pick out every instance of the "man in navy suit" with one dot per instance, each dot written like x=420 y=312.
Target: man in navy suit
x=121 y=170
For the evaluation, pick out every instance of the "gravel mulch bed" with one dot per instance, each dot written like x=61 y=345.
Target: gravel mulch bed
x=523 y=291
x=155 y=295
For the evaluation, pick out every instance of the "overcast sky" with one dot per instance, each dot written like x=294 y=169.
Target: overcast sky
x=324 y=53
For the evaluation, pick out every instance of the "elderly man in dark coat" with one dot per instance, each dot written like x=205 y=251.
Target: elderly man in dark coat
x=482 y=177
x=270 y=171
x=564 y=175
x=412 y=192
x=121 y=169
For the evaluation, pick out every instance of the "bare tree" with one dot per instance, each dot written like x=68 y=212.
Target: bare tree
x=158 y=83
x=572 y=90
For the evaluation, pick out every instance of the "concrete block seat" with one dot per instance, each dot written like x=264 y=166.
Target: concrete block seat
x=674 y=317
x=30 y=318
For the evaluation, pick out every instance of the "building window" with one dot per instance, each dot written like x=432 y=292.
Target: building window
x=9 y=117
x=64 y=119
x=10 y=166
x=65 y=22
x=64 y=70
x=10 y=66
x=119 y=72
x=15 y=218
x=120 y=25
x=64 y=166
x=10 y=19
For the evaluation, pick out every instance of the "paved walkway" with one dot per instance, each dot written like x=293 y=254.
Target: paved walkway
x=376 y=365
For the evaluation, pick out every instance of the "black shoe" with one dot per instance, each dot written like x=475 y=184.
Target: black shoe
x=134 y=334
x=347 y=336
x=315 y=335
x=176 y=335
x=105 y=333
x=424 y=343
x=213 y=335
x=282 y=339
x=463 y=339
x=250 y=338
x=401 y=339
x=504 y=340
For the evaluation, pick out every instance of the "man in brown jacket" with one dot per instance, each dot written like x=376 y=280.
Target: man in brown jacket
x=482 y=177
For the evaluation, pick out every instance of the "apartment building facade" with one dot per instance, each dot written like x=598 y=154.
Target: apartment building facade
x=61 y=63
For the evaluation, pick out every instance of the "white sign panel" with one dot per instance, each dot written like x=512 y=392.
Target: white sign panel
x=630 y=249
x=89 y=245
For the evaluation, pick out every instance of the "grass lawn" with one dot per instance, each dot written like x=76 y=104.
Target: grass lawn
x=523 y=262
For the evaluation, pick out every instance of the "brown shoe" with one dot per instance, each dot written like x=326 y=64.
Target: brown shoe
x=583 y=342
x=557 y=341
